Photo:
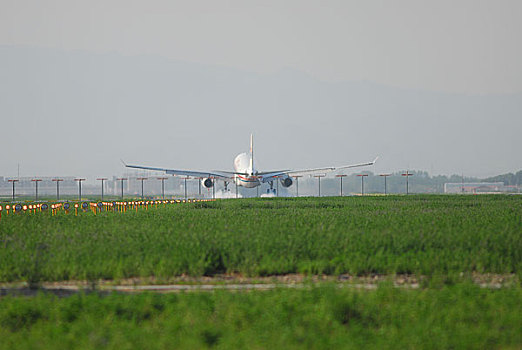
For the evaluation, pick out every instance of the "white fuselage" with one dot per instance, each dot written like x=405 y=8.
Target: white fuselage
x=243 y=163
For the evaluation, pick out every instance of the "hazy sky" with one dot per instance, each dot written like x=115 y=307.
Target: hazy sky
x=428 y=85
x=468 y=46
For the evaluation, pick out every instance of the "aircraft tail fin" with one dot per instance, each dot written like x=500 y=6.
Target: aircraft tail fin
x=252 y=153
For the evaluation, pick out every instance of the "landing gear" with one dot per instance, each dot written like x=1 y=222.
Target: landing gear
x=271 y=189
x=226 y=186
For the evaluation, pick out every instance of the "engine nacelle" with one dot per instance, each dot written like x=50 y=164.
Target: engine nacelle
x=208 y=183
x=286 y=181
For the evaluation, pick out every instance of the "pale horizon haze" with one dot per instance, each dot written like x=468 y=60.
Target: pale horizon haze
x=425 y=85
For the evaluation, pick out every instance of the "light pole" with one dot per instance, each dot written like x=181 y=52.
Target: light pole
x=121 y=179
x=277 y=185
x=319 y=182
x=362 y=182
x=57 y=188
x=341 y=179
x=36 y=181
x=141 y=179
x=385 y=176
x=102 y=179
x=296 y=177
x=162 y=186
x=407 y=174
x=213 y=188
x=13 y=181
x=79 y=188
x=186 y=178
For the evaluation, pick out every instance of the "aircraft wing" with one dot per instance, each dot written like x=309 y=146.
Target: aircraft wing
x=227 y=176
x=269 y=176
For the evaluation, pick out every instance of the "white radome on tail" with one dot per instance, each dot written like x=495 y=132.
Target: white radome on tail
x=246 y=175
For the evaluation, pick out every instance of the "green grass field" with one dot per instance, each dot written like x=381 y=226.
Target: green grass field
x=442 y=238
x=423 y=235
x=463 y=316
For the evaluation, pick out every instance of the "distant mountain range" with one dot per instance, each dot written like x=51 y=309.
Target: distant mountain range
x=79 y=113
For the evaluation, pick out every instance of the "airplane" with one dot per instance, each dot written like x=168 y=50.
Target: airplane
x=245 y=174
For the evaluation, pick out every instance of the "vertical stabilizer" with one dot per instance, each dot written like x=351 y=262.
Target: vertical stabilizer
x=252 y=154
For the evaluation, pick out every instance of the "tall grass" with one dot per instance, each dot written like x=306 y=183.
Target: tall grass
x=397 y=234
x=463 y=316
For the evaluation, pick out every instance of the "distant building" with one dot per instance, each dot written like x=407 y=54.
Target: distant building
x=476 y=187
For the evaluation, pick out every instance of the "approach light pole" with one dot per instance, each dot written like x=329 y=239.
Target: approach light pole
x=36 y=181
x=385 y=176
x=141 y=179
x=296 y=177
x=199 y=186
x=102 y=179
x=362 y=182
x=185 y=179
x=57 y=188
x=13 y=181
x=407 y=174
x=79 y=188
x=341 y=180
x=121 y=179
x=319 y=182
x=162 y=186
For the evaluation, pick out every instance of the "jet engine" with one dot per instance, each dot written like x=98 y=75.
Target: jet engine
x=208 y=183
x=286 y=181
